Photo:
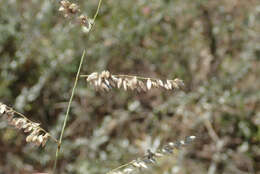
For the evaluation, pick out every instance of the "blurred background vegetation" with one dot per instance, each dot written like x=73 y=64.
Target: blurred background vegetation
x=213 y=45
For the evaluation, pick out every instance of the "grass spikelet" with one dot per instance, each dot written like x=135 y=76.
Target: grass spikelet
x=36 y=134
x=105 y=81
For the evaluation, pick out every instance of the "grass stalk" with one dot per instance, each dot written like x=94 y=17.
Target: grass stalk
x=67 y=112
x=71 y=98
x=97 y=11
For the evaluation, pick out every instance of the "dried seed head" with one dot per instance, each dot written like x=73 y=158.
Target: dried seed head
x=105 y=81
x=72 y=10
x=19 y=121
x=149 y=158
x=68 y=8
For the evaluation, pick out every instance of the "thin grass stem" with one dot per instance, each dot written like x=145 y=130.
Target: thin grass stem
x=71 y=97
x=68 y=110
x=98 y=8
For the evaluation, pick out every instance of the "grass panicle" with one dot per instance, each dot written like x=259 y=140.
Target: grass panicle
x=105 y=81
x=151 y=157
x=73 y=12
x=36 y=134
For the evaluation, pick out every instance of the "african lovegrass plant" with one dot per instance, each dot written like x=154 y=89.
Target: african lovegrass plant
x=103 y=81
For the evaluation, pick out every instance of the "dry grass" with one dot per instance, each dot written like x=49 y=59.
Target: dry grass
x=105 y=81
x=73 y=12
x=151 y=157
x=36 y=134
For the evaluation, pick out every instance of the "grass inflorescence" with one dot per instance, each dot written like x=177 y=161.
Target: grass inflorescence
x=36 y=134
x=105 y=81
x=151 y=157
